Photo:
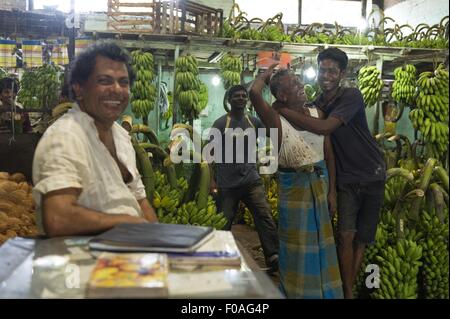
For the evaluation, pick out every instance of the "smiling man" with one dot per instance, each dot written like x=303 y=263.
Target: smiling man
x=84 y=169
x=236 y=174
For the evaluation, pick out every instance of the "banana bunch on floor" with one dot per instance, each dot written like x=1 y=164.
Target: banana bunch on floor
x=188 y=86
x=431 y=115
x=360 y=289
x=435 y=269
x=370 y=84
x=230 y=70
x=399 y=266
x=189 y=213
x=166 y=198
x=40 y=88
x=143 y=91
x=435 y=257
x=207 y=216
x=404 y=86
x=167 y=202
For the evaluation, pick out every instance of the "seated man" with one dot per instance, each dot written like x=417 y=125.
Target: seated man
x=84 y=169
x=12 y=115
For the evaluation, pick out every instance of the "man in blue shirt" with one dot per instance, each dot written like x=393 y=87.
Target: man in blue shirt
x=360 y=167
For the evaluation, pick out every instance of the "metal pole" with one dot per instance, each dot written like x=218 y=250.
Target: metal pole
x=158 y=99
x=72 y=32
x=300 y=12
x=175 y=102
x=364 y=8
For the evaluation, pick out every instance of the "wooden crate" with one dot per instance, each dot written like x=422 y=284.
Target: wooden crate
x=164 y=17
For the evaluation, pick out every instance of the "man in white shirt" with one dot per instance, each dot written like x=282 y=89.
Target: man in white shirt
x=84 y=169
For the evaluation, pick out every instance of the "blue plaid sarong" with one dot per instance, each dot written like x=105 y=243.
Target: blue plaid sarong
x=308 y=264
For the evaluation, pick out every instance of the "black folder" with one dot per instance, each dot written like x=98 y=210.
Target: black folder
x=152 y=238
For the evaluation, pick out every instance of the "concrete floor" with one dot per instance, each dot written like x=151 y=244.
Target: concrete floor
x=248 y=238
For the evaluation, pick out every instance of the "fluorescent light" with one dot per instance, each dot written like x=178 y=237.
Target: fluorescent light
x=215 y=80
x=310 y=73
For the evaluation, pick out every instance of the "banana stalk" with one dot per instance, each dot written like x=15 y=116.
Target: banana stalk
x=438 y=201
x=147 y=131
x=443 y=176
x=145 y=164
x=423 y=185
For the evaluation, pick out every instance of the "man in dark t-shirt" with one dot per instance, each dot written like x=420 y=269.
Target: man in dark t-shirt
x=236 y=174
x=360 y=167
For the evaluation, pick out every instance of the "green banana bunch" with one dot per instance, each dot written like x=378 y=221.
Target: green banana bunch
x=231 y=69
x=143 y=91
x=188 y=86
x=370 y=84
x=168 y=114
x=435 y=270
x=431 y=115
x=360 y=289
x=40 y=88
x=399 y=266
x=251 y=34
x=167 y=202
x=203 y=96
x=274 y=33
x=166 y=197
x=404 y=86
x=227 y=30
x=392 y=190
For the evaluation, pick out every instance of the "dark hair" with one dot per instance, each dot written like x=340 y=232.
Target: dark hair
x=334 y=54
x=275 y=80
x=235 y=88
x=84 y=64
x=9 y=83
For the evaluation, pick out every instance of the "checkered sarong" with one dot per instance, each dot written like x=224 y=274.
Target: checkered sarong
x=308 y=262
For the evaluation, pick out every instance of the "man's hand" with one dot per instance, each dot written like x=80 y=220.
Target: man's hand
x=62 y=216
x=268 y=73
x=332 y=204
x=148 y=211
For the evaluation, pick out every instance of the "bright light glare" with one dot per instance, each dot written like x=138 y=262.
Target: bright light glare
x=310 y=73
x=362 y=25
x=215 y=80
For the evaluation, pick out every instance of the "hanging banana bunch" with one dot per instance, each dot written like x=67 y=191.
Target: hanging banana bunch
x=231 y=69
x=188 y=86
x=431 y=115
x=40 y=87
x=203 y=96
x=143 y=92
x=404 y=86
x=370 y=84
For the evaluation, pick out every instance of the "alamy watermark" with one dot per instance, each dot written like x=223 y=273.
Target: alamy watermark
x=235 y=145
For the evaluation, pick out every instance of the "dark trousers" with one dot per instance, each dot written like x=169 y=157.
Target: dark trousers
x=254 y=197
